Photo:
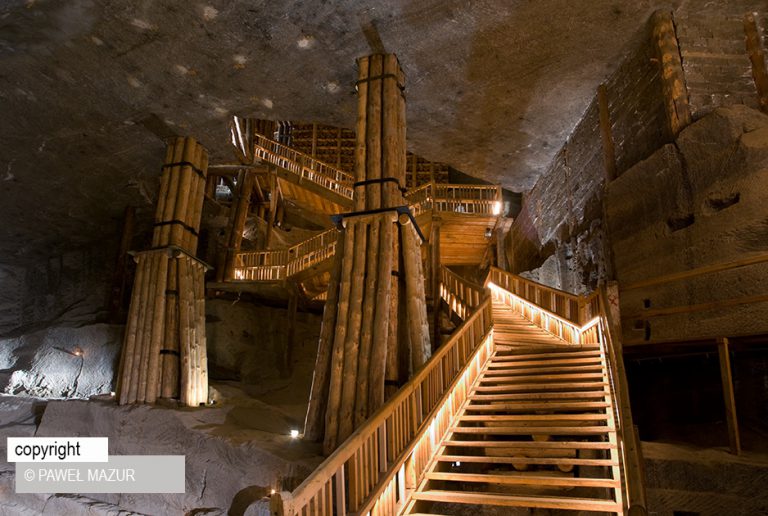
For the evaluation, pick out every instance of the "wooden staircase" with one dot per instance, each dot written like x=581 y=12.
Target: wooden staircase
x=536 y=431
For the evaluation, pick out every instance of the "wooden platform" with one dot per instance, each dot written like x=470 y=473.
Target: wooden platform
x=537 y=431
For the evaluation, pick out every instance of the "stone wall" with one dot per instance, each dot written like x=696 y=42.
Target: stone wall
x=559 y=227
x=717 y=68
x=558 y=237
x=67 y=289
x=698 y=202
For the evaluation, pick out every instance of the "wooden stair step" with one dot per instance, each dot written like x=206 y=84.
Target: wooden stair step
x=531 y=430
x=548 y=354
x=517 y=387
x=537 y=396
x=544 y=369
x=576 y=405
x=543 y=359
x=541 y=417
x=541 y=502
x=542 y=461
x=541 y=377
x=534 y=445
x=529 y=480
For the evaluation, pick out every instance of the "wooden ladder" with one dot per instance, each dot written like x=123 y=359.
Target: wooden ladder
x=537 y=431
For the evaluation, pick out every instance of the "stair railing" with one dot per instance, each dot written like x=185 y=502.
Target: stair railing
x=302 y=165
x=461 y=295
x=280 y=264
x=377 y=467
x=591 y=322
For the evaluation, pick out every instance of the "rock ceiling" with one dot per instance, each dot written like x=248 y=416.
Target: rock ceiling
x=88 y=89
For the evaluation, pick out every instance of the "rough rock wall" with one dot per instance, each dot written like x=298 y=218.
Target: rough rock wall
x=559 y=236
x=560 y=221
x=717 y=68
x=70 y=288
x=46 y=363
x=695 y=203
x=246 y=342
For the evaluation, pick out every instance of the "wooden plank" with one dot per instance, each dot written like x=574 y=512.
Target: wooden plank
x=528 y=480
x=532 y=430
x=541 y=461
x=510 y=388
x=539 y=406
x=728 y=395
x=542 y=502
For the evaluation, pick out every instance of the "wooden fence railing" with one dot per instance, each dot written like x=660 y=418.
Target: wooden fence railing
x=462 y=296
x=376 y=467
x=283 y=263
x=305 y=167
x=455 y=198
x=584 y=320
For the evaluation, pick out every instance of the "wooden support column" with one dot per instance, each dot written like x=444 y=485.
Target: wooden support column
x=757 y=58
x=730 y=400
x=238 y=215
x=293 y=306
x=606 y=136
x=120 y=274
x=674 y=91
x=434 y=245
x=356 y=354
x=272 y=206
x=164 y=351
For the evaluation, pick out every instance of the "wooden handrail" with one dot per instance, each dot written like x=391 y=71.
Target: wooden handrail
x=367 y=463
x=304 y=166
x=461 y=295
x=631 y=455
x=576 y=309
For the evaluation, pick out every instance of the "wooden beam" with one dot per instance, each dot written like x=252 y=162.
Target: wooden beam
x=730 y=401
x=606 y=136
x=757 y=58
x=674 y=91
x=120 y=275
x=434 y=243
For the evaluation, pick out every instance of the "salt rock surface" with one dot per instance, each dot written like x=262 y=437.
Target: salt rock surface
x=46 y=363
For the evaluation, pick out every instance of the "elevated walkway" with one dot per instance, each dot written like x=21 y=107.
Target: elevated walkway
x=524 y=407
x=466 y=213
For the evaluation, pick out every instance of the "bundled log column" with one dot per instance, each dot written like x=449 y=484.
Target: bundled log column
x=359 y=345
x=164 y=353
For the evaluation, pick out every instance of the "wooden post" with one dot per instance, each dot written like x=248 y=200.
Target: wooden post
x=434 y=243
x=757 y=58
x=606 y=135
x=238 y=216
x=728 y=395
x=293 y=305
x=272 y=206
x=674 y=91
x=318 y=398
x=120 y=274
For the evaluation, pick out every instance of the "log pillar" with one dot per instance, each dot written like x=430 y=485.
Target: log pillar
x=674 y=91
x=120 y=275
x=359 y=345
x=434 y=245
x=238 y=215
x=164 y=353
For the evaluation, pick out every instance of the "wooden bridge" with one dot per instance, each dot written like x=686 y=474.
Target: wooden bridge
x=525 y=406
